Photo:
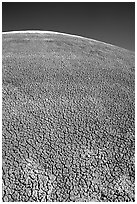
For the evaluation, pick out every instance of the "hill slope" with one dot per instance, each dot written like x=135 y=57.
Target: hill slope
x=68 y=119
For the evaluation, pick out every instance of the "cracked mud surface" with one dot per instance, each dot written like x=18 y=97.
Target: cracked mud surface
x=68 y=120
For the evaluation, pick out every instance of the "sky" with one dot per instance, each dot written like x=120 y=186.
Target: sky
x=111 y=22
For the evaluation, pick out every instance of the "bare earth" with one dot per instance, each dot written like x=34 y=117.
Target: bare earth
x=68 y=119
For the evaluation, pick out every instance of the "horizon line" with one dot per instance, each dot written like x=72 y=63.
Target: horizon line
x=66 y=34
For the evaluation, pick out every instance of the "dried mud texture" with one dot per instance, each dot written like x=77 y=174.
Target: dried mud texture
x=68 y=120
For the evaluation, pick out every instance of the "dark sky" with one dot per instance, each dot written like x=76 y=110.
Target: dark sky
x=112 y=22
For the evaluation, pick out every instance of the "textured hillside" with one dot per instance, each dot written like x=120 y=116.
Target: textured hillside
x=68 y=119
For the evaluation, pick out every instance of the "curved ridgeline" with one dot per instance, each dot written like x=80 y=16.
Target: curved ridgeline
x=68 y=119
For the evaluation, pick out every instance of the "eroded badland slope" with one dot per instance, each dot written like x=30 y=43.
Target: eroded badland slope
x=68 y=119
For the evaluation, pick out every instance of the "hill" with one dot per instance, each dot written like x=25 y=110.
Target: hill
x=68 y=119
